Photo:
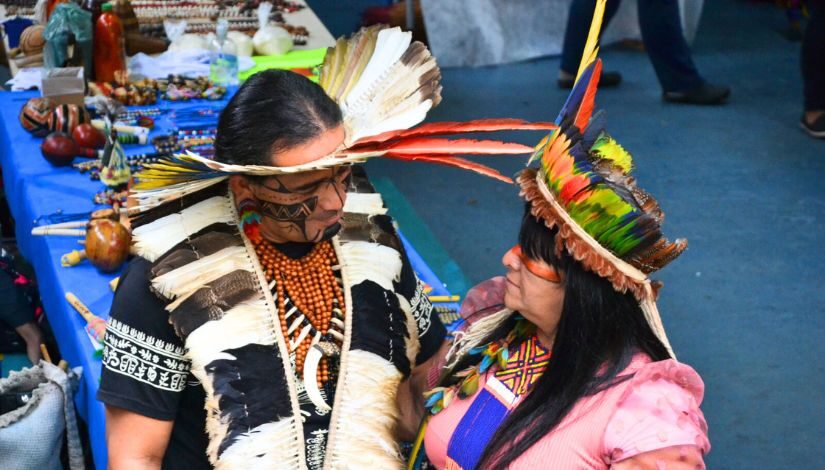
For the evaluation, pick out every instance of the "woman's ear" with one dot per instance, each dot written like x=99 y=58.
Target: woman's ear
x=241 y=187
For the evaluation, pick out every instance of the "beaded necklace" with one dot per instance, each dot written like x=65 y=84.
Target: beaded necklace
x=311 y=285
x=309 y=295
x=494 y=352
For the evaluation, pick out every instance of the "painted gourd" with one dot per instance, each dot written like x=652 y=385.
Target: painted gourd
x=107 y=244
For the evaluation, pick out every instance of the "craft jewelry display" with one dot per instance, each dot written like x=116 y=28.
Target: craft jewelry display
x=110 y=197
x=198 y=113
x=135 y=162
x=166 y=144
x=141 y=118
x=202 y=15
x=145 y=91
x=200 y=141
x=22 y=8
x=179 y=88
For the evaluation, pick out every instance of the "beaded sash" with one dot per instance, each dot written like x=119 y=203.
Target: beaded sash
x=502 y=392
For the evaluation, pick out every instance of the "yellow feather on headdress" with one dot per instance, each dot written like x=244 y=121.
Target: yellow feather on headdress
x=591 y=47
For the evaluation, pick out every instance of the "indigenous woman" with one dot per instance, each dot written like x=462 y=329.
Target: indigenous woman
x=563 y=362
x=575 y=376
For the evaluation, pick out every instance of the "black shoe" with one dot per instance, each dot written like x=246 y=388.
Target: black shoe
x=704 y=94
x=607 y=80
x=815 y=130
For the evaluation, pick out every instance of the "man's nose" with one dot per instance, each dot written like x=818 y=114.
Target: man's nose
x=332 y=198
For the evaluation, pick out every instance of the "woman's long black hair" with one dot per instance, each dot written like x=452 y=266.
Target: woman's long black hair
x=599 y=331
x=274 y=110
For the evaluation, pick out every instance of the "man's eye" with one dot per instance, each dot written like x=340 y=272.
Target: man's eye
x=307 y=189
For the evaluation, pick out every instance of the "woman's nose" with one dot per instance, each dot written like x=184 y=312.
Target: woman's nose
x=510 y=260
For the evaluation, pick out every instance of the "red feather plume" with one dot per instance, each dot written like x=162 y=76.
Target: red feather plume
x=455 y=162
x=442 y=128
x=435 y=146
x=589 y=99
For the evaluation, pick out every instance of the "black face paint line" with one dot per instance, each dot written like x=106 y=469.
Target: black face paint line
x=296 y=214
x=331 y=231
x=314 y=186
x=341 y=189
x=279 y=188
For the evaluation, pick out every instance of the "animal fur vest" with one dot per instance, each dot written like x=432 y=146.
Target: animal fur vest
x=219 y=302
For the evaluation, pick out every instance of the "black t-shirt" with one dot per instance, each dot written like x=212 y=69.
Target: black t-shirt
x=144 y=370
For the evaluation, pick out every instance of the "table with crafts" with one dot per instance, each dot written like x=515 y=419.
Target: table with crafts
x=36 y=189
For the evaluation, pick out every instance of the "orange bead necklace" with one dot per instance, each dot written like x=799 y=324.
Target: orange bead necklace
x=310 y=299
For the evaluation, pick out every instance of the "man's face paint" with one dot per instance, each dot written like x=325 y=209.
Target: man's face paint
x=304 y=207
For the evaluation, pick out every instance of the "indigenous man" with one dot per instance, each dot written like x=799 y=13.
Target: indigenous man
x=352 y=292
x=272 y=299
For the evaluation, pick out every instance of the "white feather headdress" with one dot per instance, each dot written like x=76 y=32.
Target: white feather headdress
x=385 y=84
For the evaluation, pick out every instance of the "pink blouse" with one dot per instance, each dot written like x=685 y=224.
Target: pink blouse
x=656 y=409
x=650 y=420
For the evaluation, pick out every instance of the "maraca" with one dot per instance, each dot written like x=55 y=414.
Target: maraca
x=60 y=149
x=36 y=116
x=107 y=244
x=88 y=136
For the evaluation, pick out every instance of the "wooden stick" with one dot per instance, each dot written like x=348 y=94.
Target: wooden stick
x=113 y=283
x=95 y=325
x=51 y=229
x=82 y=309
x=71 y=232
x=45 y=353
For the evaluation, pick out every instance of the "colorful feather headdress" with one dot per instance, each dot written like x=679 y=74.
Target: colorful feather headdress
x=385 y=84
x=584 y=188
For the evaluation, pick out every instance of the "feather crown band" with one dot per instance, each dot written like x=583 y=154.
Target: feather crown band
x=385 y=84
x=584 y=180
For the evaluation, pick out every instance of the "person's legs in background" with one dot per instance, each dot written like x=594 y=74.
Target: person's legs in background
x=813 y=70
x=661 y=26
x=670 y=55
x=575 y=36
x=33 y=337
x=16 y=312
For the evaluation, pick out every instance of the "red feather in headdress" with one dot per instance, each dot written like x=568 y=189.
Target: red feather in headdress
x=455 y=162
x=449 y=127
x=427 y=146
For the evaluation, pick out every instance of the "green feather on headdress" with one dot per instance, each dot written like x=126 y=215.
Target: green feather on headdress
x=588 y=173
x=607 y=148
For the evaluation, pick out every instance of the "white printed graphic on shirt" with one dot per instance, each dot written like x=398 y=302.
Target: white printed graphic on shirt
x=144 y=358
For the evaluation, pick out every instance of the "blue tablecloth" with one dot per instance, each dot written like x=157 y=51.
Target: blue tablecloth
x=35 y=188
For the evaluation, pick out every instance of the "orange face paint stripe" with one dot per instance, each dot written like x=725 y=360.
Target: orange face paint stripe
x=543 y=272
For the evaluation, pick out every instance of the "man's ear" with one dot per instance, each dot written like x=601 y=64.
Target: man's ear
x=241 y=187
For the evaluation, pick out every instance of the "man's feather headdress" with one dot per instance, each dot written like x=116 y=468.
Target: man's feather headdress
x=583 y=186
x=385 y=84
